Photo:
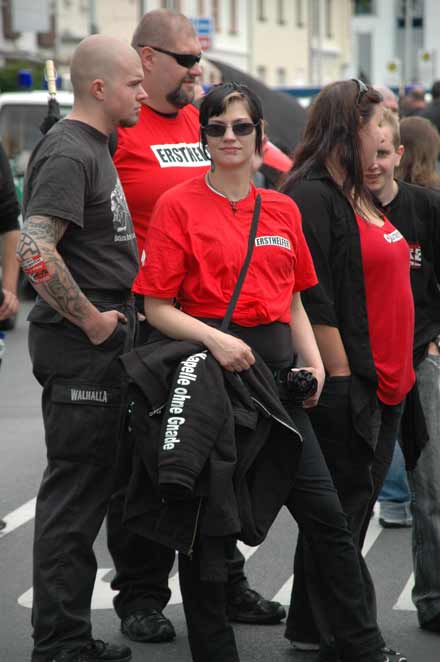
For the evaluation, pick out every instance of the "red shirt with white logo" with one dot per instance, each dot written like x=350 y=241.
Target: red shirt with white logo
x=155 y=155
x=196 y=245
x=390 y=307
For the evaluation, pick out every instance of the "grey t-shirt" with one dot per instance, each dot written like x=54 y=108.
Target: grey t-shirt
x=71 y=176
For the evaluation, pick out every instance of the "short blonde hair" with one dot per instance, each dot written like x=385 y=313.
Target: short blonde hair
x=389 y=119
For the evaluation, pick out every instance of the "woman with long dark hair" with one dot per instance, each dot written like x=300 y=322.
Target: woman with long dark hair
x=194 y=250
x=361 y=312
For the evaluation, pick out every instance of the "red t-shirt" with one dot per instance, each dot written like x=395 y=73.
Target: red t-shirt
x=390 y=308
x=196 y=246
x=155 y=155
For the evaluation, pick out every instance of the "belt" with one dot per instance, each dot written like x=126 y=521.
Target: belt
x=108 y=296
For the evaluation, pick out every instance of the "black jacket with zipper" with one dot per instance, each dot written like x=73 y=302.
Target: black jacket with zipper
x=214 y=453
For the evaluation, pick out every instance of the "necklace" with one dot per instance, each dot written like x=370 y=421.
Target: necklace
x=233 y=203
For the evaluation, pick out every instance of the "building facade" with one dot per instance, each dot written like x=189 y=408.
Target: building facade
x=282 y=42
x=395 y=42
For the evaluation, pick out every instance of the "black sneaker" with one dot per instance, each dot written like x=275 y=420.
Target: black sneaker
x=148 y=625
x=95 y=651
x=248 y=606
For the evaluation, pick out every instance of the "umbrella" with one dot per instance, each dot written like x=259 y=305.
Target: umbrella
x=284 y=115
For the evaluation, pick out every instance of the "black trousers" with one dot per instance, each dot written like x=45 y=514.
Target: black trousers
x=333 y=560
x=83 y=411
x=358 y=479
x=143 y=566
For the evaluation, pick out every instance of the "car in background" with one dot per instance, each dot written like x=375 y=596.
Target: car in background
x=21 y=114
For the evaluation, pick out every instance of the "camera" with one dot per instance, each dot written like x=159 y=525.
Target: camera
x=298 y=386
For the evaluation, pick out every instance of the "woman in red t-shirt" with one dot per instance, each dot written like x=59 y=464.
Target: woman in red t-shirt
x=362 y=311
x=195 y=247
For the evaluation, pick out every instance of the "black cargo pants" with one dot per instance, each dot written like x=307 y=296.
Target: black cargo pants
x=83 y=409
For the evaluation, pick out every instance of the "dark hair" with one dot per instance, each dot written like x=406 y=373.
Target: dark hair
x=419 y=161
x=218 y=99
x=335 y=118
x=435 y=90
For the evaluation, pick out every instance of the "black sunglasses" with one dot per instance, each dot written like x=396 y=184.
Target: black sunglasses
x=187 y=60
x=362 y=89
x=219 y=130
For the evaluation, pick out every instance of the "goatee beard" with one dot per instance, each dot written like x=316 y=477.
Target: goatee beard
x=178 y=98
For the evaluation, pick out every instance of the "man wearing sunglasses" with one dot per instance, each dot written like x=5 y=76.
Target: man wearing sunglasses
x=163 y=151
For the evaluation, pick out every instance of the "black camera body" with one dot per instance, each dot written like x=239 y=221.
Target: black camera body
x=298 y=385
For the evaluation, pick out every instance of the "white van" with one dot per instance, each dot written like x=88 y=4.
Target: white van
x=21 y=114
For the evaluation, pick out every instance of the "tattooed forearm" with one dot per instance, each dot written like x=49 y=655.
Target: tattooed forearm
x=48 y=229
x=46 y=270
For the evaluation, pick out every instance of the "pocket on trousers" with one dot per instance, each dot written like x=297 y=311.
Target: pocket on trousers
x=116 y=338
x=83 y=422
x=42 y=313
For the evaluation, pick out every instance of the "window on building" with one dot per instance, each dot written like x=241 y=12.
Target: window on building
x=171 y=4
x=281 y=76
x=281 y=18
x=329 y=18
x=261 y=10
x=215 y=9
x=364 y=7
x=233 y=17
x=299 y=14
x=262 y=73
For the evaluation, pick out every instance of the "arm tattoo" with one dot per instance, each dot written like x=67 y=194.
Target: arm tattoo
x=48 y=229
x=46 y=269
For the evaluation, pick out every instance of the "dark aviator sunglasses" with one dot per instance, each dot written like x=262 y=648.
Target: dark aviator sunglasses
x=187 y=60
x=219 y=130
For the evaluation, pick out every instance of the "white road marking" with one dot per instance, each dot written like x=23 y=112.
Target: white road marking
x=374 y=531
x=103 y=594
x=405 y=603
x=18 y=517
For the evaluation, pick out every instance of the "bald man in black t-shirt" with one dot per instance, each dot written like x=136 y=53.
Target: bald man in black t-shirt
x=78 y=250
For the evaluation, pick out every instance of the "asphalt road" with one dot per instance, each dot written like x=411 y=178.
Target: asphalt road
x=268 y=567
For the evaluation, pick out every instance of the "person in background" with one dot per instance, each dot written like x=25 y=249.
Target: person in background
x=390 y=100
x=413 y=102
x=161 y=151
x=415 y=211
x=432 y=110
x=9 y=233
x=364 y=331
x=416 y=164
x=421 y=142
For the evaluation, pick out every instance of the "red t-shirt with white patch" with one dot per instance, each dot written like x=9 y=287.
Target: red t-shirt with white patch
x=390 y=308
x=155 y=155
x=196 y=245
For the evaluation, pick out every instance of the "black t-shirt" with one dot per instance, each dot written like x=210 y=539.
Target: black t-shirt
x=9 y=207
x=71 y=176
x=415 y=212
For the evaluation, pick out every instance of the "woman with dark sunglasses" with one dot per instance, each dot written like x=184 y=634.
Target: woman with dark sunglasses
x=195 y=247
x=362 y=316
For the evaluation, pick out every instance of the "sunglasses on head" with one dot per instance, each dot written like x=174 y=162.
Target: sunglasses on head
x=362 y=89
x=219 y=130
x=187 y=60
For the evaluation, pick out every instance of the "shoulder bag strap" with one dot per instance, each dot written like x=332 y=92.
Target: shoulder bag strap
x=244 y=268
